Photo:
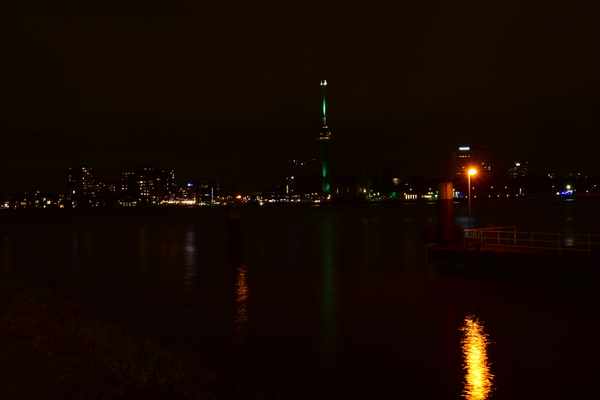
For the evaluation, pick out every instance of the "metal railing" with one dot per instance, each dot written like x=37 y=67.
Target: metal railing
x=508 y=239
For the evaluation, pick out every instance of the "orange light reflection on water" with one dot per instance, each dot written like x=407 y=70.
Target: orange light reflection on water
x=478 y=379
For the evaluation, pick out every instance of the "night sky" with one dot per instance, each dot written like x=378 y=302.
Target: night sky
x=230 y=90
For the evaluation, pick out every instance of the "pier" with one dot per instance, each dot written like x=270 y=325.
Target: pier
x=505 y=252
x=508 y=239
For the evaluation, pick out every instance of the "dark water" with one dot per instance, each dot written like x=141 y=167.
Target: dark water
x=322 y=302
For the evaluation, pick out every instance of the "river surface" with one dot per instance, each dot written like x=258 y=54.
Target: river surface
x=321 y=302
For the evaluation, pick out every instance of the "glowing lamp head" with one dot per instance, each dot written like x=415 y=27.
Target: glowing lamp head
x=472 y=171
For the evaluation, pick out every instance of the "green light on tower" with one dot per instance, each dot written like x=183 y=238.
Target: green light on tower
x=324 y=83
x=324 y=138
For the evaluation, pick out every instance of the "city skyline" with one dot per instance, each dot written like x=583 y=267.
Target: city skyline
x=232 y=90
x=481 y=157
x=152 y=185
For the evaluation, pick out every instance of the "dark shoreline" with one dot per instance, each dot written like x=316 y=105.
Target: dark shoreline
x=543 y=199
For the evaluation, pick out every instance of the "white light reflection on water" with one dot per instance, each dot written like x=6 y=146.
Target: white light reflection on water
x=189 y=275
x=189 y=268
x=478 y=379
x=242 y=292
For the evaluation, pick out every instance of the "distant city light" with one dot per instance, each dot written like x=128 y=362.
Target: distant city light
x=464 y=148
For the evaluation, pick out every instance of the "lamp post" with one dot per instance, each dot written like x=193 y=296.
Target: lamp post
x=471 y=171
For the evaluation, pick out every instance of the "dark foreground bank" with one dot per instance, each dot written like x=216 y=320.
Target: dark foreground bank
x=51 y=347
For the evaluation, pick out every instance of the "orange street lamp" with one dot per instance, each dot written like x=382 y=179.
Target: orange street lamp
x=471 y=171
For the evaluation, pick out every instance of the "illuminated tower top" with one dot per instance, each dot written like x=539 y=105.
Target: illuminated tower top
x=324 y=139
x=325 y=134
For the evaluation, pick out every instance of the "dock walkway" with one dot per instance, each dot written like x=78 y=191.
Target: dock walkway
x=508 y=239
x=533 y=256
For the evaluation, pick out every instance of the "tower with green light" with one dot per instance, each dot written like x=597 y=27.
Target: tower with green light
x=324 y=139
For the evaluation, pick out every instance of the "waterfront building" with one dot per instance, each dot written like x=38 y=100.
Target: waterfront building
x=154 y=185
x=128 y=188
x=385 y=184
x=204 y=192
x=349 y=192
x=303 y=178
x=467 y=157
x=81 y=187
x=518 y=169
x=108 y=193
x=35 y=199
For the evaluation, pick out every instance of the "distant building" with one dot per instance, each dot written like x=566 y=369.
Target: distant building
x=36 y=200
x=147 y=185
x=385 y=184
x=204 y=192
x=518 y=170
x=128 y=188
x=81 y=187
x=348 y=192
x=303 y=178
x=577 y=175
x=466 y=157
x=108 y=193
